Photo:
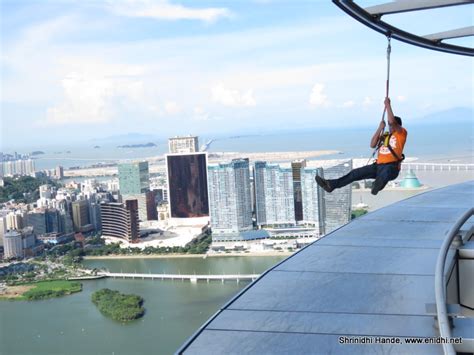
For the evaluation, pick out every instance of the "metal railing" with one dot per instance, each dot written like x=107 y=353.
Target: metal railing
x=440 y=282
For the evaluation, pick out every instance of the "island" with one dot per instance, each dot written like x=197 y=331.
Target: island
x=118 y=306
x=96 y=146
x=147 y=145
x=37 y=152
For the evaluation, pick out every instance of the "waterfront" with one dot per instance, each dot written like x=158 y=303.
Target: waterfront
x=174 y=310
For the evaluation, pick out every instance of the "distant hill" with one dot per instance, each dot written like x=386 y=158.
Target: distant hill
x=147 y=145
x=456 y=114
x=126 y=138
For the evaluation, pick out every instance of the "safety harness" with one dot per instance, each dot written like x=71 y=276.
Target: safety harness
x=385 y=142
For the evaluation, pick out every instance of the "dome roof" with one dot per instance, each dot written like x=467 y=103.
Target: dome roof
x=410 y=180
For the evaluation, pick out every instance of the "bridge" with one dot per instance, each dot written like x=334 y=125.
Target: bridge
x=182 y=277
x=437 y=166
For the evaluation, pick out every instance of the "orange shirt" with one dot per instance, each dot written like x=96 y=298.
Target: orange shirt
x=397 y=142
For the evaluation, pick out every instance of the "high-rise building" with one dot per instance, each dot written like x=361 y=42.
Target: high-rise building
x=3 y=228
x=312 y=198
x=229 y=197
x=134 y=178
x=151 y=211
x=274 y=195
x=296 y=167
x=28 y=238
x=80 y=214
x=59 y=172
x=65 y=222
x=187 y=144
x=15 y=220
x=52 y=221
x=187 y=181
x=18 y=167
x=45 y=191
x=37 y=220
x=338 y=203
x=12 y=245
x=94 y=217
x=119 y=220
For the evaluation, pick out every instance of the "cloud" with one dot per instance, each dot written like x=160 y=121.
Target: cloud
x=200 y=114
x=234 y=98
x=348 y=104
x=84 y=101
x=401 y=98
x=163 y=10
x=318 y=97
x=368 y=101
x=172 y=108
x=92 y=90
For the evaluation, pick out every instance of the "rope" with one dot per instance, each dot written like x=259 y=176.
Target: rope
x=387 y=86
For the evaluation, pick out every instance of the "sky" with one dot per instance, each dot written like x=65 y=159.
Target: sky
x=77 y=70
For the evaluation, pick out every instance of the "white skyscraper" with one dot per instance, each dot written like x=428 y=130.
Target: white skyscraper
x=229 y=197
x=312 y=199
x=3 y=227
x=12 y=244
x=187 y=144
x=274 y=198
x=338 y=203
x=45 y=192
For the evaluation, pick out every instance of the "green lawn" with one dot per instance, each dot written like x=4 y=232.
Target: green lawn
x=51 y=289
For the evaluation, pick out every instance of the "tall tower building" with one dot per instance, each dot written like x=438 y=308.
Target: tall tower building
x=134 y=180
x=119 y=220
x=274 y=194
x=187 y=144
x=338 y=203
x=59 y=172
x=312 y=198
x=13 y=245
x=187 y=181
x=296 y=167
x=3 y=227
x=80 y=214
x=229 y=196
x=37 y=220
x=16 y=220
x=53 y=223
x=45 y=191
x=94 y=217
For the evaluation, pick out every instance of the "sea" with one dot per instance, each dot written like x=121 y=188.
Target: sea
x=428 y=143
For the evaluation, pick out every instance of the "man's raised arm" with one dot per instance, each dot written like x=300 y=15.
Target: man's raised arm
x=376 y=137
x=390 y=116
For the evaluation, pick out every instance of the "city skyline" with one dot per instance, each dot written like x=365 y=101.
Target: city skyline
x=217 y=67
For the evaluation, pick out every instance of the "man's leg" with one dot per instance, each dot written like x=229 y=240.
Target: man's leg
x=385 y=173
x=365 y=172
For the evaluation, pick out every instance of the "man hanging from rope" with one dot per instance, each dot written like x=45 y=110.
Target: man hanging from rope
x=390 y=155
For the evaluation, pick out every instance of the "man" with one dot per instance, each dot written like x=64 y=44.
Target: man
x=387 y=166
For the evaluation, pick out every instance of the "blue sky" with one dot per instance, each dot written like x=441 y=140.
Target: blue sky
x=76 y=70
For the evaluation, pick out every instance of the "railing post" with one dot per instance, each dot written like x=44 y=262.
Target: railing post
x=444 y=323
